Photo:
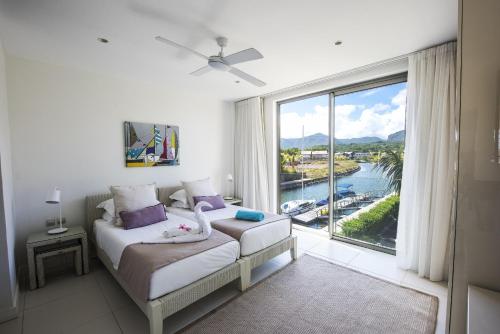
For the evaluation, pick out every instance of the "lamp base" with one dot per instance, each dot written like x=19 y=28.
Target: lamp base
x=57 y=230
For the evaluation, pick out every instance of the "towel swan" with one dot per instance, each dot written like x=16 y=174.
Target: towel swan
x=202 y=233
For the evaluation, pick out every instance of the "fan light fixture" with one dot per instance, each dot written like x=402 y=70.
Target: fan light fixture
x=220 y=62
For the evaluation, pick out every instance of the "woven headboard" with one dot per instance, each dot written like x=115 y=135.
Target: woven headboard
x=92 y=213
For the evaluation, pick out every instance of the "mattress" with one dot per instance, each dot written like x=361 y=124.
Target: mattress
x=252 y=240
x=113 y=240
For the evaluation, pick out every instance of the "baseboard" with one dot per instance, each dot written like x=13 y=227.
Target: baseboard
x=9 y=313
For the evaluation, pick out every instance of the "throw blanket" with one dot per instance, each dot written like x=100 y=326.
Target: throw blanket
x=235 y=227
x=139 y=261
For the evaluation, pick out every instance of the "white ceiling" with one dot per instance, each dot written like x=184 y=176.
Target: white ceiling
x=295 y=37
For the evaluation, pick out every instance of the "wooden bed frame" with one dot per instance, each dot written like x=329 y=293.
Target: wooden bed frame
x=160 y=308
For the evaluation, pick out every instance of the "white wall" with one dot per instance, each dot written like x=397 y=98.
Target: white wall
x=7 y=233
x=343 y=79
x=477 y=245
x=67 y=131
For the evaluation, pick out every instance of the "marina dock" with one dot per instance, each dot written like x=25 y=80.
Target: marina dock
x=353 y=202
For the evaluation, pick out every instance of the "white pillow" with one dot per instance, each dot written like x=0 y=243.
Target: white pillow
x=107 y=217
x=180 y=204
x=180 y=195
x=109 y=209
x=198 y=188
x=131 y=198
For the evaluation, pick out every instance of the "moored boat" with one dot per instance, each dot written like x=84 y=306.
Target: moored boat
x=296 y=207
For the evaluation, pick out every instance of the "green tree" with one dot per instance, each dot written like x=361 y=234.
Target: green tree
x=391 y=163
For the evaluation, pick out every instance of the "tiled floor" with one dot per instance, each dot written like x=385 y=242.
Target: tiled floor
x=95 y=304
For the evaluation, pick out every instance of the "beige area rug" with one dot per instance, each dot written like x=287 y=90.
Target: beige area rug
x=314 y=296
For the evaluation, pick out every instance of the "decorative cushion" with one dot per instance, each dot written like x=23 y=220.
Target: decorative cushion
x=143 y=217
x=131 y=198
x=180 y=195
x=180 y=204
x=216 y=201
x=198 y=188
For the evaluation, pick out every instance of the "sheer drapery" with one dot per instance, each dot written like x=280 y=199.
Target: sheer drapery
x=430 y=160
x=250 y=174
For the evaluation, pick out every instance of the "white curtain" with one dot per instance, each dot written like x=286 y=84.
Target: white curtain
x=430 y=162
x=250 y=161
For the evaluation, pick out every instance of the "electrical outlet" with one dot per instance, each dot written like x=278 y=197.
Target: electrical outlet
x=54 y=221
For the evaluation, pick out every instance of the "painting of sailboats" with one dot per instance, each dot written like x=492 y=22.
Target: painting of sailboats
x=150 y=145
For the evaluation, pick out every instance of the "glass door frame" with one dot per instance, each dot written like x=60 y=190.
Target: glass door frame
x=332 y=93
x=385 y=81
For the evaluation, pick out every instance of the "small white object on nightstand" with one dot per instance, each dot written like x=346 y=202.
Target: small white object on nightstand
x=229 y=179
x=54 y=197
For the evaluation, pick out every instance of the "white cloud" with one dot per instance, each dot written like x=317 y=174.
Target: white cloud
x=370 y=92
x=379 y=107
x=314 y=122
x=400 y=98
x=345 y=110
x=380 y=120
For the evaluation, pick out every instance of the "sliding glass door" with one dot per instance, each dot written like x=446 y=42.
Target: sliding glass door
x=304 y=160
x=341 y=159
x=369 y=130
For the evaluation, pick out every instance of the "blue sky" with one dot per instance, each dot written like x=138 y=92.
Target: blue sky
x=374 y=112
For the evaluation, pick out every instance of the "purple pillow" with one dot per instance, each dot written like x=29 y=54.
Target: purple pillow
x=217 y=202
x=143 y=217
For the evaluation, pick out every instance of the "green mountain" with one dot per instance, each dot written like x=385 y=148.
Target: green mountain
x=322 y=139
x=397 y=136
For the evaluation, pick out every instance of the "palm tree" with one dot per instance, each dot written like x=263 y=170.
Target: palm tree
x=391 y=163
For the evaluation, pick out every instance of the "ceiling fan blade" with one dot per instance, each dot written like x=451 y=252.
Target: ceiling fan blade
x=201 y=71
x=177 y=45
x=247 y=77
x=243 y=56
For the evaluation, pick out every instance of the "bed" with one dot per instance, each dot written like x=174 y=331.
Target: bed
x=252 y=240
x=112 y=241
x=257 y=245
x=207 y=272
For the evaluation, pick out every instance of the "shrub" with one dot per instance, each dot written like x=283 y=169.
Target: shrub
x=373 y=218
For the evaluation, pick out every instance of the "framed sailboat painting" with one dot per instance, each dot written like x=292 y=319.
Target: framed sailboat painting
x=151 y=145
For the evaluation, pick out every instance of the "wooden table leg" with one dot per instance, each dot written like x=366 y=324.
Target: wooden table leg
x=78 y=261
x=40 y=270
x=31 y=267
x=85 y=255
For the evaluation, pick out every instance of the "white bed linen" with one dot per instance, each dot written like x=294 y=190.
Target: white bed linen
x=113 y=240
x=252 y=240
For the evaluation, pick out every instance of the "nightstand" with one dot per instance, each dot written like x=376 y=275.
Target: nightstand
x=42 y=245
x=233 y=201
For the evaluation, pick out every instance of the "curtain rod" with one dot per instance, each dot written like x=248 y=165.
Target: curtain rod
x=349 y=72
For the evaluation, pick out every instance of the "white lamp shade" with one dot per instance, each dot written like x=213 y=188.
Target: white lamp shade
x=53 y=196
x=229 y=177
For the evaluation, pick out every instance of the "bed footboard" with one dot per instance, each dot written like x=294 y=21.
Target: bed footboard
x=160 y=308
x=247 y=263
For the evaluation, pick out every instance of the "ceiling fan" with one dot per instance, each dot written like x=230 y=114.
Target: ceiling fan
x=220 y=62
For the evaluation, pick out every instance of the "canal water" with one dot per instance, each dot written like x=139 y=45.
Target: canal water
x=365 y=180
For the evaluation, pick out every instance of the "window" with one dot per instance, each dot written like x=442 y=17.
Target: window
x=348 y=187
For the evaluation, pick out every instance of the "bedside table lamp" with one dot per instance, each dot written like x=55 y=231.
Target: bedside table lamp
x=54 y=197
x=229 y=179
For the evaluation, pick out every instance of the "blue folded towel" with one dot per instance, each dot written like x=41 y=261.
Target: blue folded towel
x=255 y=216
